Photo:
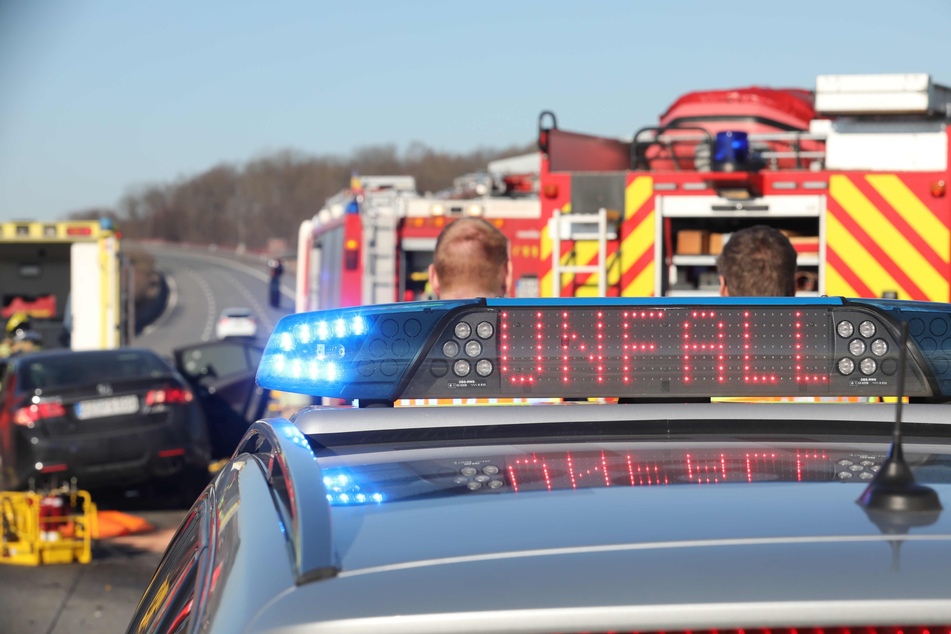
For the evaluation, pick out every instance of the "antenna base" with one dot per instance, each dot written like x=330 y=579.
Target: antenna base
x=894 y=489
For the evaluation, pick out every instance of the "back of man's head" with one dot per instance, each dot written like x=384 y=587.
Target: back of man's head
x=471 y=260
x=757 y=261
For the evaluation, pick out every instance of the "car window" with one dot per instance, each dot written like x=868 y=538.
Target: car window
x=70 y=369
x=208 y=363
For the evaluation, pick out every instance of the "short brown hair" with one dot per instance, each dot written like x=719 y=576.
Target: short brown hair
x=758 y=261
x=472 y=253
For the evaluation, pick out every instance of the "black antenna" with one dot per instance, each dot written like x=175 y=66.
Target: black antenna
x=894 y=488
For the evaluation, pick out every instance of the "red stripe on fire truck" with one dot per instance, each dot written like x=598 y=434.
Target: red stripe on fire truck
x=580 y=253
x=638 y=233
x=841 y=278
x=918 y=224
x=881 y=246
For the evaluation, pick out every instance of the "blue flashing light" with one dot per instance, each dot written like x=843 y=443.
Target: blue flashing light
x=510 y=347
x=353 y=207
x=344 y=490
x=731 y=150
x=349 y=353
x=295 y=436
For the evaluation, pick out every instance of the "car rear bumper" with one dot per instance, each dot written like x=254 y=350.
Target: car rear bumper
x=118 y=459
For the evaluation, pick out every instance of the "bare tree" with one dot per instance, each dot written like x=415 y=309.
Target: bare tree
x=269 y=196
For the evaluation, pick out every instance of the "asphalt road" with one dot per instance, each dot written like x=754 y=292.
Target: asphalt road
x=101 y=597
x=201 y=285
x=83 y=598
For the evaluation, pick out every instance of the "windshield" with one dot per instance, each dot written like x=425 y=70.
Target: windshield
x=380 y=473
x=92 y=367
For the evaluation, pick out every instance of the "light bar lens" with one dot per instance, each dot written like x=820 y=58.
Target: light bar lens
x=351 y=352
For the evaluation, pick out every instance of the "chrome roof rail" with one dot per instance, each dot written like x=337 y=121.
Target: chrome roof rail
x=294 y=474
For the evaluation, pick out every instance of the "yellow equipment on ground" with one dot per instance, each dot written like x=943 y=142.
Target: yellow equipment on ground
x=46 y=528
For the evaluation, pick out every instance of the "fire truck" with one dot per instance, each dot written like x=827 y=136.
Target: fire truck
x=373 y=242
x=855 y=173
x=66 y=277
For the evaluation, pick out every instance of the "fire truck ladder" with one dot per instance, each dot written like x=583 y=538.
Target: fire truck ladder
x=380 y=239
x=579 y=227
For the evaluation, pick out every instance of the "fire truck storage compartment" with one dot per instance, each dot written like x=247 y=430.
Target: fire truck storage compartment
x=694 y=229
x=416 y=255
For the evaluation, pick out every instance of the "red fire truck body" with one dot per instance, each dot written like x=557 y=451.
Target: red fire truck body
x=855 y=173
x=373 y=242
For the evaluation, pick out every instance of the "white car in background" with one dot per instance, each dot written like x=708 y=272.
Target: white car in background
x=236 y=322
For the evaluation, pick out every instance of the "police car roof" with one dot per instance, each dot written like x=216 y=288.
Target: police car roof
x=577 y=517
x=662 y=525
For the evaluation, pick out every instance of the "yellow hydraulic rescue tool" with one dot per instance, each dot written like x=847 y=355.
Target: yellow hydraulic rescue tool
x=55 y=527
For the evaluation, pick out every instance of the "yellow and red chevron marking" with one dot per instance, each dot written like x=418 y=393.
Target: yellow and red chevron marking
x=576 y=253
x=631 y=265
x=638 y=233
x=881 y=236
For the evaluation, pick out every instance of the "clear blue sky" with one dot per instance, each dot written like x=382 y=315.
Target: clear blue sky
x=100 y=96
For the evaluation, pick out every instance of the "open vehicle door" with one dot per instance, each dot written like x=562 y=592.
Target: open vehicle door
x=222 y=376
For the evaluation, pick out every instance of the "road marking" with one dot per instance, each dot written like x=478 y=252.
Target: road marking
x=212 y=308
x=255 y=305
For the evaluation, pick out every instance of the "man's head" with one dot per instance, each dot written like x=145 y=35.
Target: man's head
x=471 y=260
x=757 y=261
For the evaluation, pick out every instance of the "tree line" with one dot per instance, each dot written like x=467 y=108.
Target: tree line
x=268 y=197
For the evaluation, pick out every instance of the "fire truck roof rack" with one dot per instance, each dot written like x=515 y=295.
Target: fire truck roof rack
x=639 y=159
x=646 y=137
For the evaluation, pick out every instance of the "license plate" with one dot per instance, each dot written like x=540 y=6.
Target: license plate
x=107 y=407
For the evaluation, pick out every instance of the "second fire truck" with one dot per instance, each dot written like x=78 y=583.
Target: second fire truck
x=373 y=242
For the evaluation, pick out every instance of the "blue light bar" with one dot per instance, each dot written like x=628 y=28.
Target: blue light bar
x=349 y=353
x=645 y=348
x=344 y=489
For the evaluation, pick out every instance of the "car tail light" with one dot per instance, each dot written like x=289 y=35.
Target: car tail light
x=169 y=396
x=29 y=415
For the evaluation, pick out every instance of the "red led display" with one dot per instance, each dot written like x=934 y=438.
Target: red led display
x=567 y=470
x=676 y=351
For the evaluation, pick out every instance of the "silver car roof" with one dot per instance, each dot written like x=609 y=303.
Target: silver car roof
x=646 y=558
